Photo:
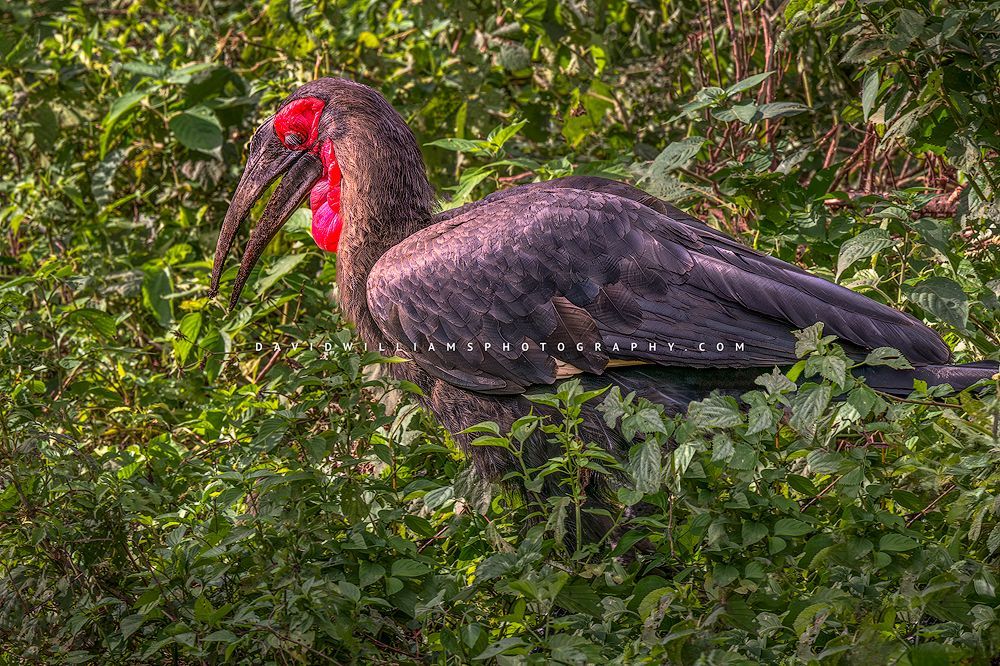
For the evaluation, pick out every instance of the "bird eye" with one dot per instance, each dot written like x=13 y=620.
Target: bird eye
x=293 y=139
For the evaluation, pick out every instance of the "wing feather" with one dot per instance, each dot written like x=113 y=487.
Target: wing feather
x=586 y=271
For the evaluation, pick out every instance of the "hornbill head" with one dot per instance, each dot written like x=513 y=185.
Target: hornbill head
x=328 y=134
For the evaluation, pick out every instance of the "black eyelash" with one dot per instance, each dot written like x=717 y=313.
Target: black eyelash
x=294 y=139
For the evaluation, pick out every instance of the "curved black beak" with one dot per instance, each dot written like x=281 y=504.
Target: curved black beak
x=268 y=160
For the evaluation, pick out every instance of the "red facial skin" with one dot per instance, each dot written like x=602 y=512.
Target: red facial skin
x=297 y=127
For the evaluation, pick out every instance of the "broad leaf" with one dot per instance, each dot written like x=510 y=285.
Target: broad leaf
x=866 y=244
x=944 y=299
x=197 y=129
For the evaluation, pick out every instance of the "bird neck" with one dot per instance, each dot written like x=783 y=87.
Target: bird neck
x=385 y=198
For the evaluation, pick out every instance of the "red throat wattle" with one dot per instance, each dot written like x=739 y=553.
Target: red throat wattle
x=324 y=199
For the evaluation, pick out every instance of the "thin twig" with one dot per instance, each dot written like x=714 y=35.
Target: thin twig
x=950 y=487
x=268 y=366
x=820 y=495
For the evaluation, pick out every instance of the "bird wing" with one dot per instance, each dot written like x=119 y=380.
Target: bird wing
x=496 y=297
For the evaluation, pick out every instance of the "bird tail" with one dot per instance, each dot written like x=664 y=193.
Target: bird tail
x=900 y=382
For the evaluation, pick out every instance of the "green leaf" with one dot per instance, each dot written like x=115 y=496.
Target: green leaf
x=586 y=113
x=810 y=340
x=810 y=617
x=9 y=498
x=349 y=590
x=752 y=533
x=889 y=356
x=501 y=647
x=579 y=596
x=909 y=25
x=667 y=187
x=514 y=57
x=860 y=403
x=462 y=145
x=197 y=129
x=865 y=49
x=436 y=498
x=185 y=73
x=775 y=382
x=869 y=93
x=393 y=585
x=188 y=331
x=866 y=244
x=745 y=113
x=501 y=135
x=94 y=319
x=747 y=83
x=279 y=269
x=993 y=540
x=791 y=527
x=944 y=299
x=102 y=179
x=468 y=182
x=127 y=471
x=370 y=573
x=269 y=433
x=705 y=98
x=646 y=466
x=780 y=110
x=119 y=108
x=722 y=448
x=801 y=484
x=760 y=418
x=795 y=371
x=896 y=543
x=807 y=407
x=716 y=411
x=300 y=221
x=410 y=387
x=407 y=568
x=744 y=457
x=130 y=624
x=203 y=609
x=674 y=156
x=724 y=574
x=929 y=654
x=156 y=286
x=830 y=366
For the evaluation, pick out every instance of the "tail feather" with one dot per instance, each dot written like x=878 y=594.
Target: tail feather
x=900 y=382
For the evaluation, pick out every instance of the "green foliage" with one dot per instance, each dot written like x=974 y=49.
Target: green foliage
x=176 y=489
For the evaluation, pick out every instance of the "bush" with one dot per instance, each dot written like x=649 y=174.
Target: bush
x=175 y=488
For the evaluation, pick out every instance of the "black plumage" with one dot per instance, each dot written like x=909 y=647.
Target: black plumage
x=503 y=271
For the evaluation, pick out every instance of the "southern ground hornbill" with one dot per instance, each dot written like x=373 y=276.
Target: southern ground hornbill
x=577 y=276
